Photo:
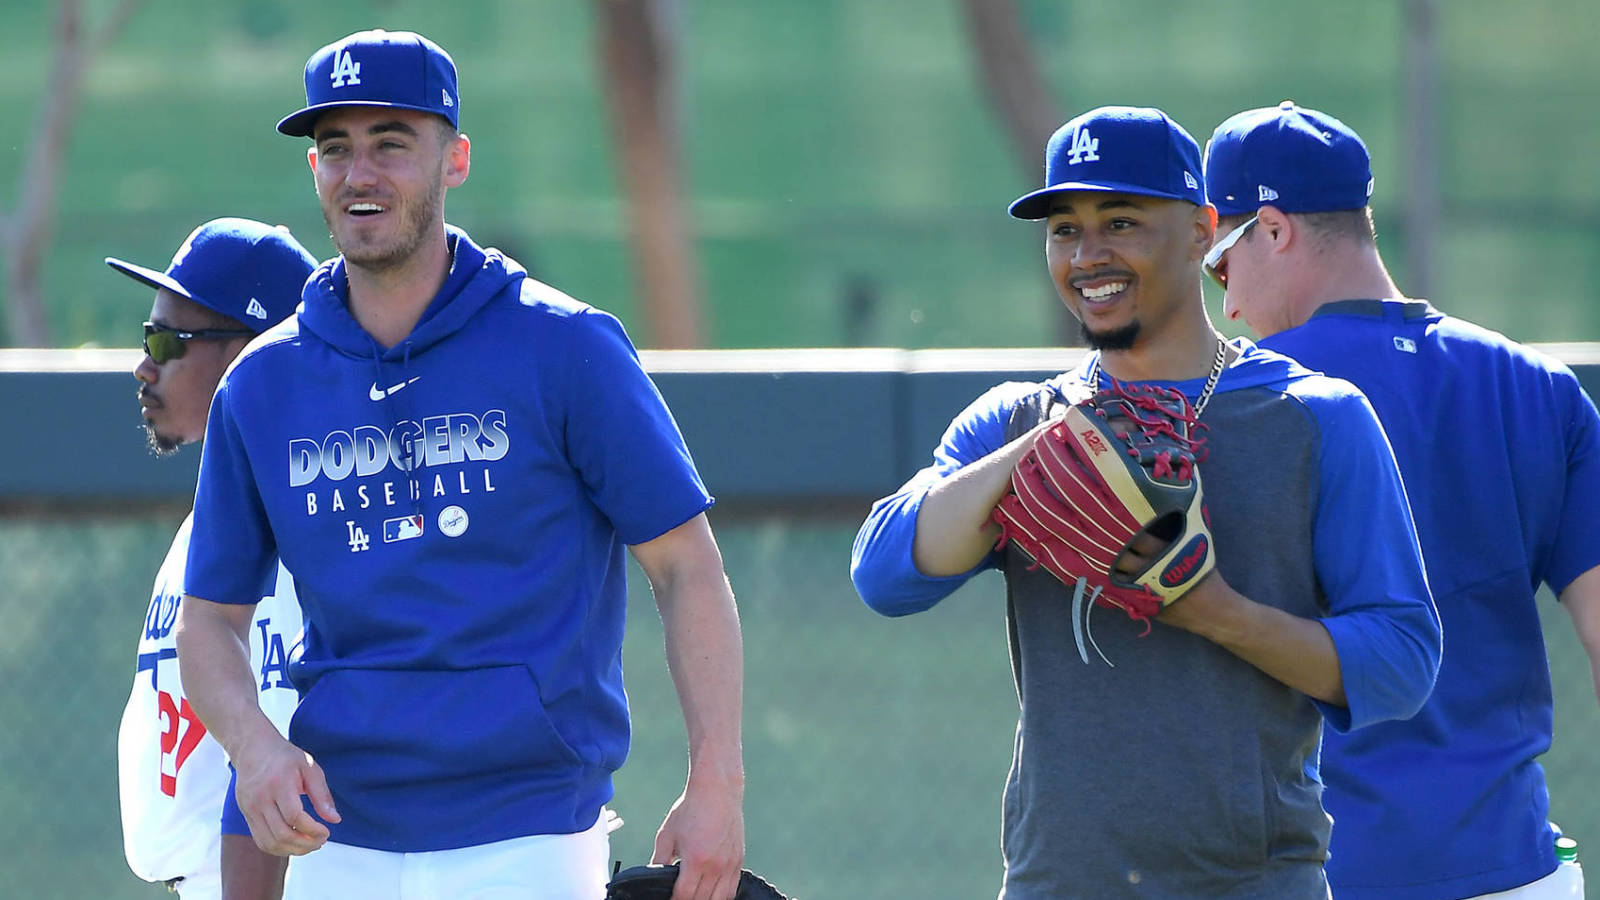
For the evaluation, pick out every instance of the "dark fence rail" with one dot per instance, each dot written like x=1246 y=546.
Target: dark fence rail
x=767 y=427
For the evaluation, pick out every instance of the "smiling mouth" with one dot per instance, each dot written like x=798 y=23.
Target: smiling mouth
x=362 y=210
x=1100 y=292
x=1104 y=291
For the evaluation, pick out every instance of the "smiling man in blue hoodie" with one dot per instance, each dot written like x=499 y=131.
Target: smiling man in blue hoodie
x=451 y=458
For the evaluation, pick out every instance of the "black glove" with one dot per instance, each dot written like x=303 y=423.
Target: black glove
x=655 y=883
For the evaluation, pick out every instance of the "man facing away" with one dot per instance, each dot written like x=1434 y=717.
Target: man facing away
x=230 y=280
x=1500 y=450
x=451 y=457
x=1185 y=765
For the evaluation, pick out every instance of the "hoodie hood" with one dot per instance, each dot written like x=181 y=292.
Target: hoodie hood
x=476 y=276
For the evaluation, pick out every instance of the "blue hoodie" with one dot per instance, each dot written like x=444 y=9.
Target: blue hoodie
x=461 y=677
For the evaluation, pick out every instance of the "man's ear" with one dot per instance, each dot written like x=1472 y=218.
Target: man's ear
x=457 y=160
x=1205 y=231
x=311 y=158
x=1277 y=227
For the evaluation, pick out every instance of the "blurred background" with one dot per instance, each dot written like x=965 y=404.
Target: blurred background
x=745 y=174
x=825 y=173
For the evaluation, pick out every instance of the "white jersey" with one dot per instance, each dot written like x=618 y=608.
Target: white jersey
x=172 y=774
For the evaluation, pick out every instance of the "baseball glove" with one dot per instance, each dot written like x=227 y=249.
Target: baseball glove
x=655 y=883
x=1108 y=499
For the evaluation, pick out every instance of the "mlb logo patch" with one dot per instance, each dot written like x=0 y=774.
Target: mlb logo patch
x=1405 y=344
x=402 y=529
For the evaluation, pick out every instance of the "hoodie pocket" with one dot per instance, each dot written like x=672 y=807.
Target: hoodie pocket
x=382 y=727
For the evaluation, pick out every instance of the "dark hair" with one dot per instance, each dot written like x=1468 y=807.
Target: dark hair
x=447 y=132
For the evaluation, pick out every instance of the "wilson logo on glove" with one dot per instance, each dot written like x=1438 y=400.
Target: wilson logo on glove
x=1179 y=571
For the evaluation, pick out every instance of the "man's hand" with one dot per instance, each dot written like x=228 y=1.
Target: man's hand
x=704 y=833
x=273 y=774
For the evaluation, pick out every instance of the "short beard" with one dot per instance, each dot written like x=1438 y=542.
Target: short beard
x=160 y=445
x=420 y=221
x=1122 y=338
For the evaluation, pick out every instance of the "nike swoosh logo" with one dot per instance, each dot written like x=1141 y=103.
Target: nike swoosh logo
x=377 y=394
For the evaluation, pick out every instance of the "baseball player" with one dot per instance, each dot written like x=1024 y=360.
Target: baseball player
x=1500 y=450
x=451 y=458
x=229 y=281
x=1186 y=767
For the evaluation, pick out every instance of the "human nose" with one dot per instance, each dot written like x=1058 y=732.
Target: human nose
x=1090 y=250
x=361 y=171
x=147 y=371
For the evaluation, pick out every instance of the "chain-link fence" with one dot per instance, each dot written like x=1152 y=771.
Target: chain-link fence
x=876 y=749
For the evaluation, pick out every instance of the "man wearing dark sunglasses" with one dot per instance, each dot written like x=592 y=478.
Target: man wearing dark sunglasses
x=229 y=281
x=1500 y=450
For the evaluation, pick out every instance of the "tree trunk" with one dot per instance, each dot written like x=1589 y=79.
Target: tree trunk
x=1021 y=98
x=1012 y=78
x=639 y=48
x=29 y=229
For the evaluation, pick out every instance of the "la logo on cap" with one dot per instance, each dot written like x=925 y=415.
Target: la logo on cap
x=345 y=71
x=1084 y=148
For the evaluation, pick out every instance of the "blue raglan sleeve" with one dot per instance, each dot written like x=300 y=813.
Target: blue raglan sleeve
x=1577 y=542
x=881 y=566
x=1381 y=616
x=233 y=554
x=620 y=436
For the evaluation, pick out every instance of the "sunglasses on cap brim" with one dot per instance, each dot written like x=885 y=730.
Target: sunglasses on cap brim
x=1213 y=256
x=163 y=344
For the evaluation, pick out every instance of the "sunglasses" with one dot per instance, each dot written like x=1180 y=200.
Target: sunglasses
x=1214 y=255
x=163 y=344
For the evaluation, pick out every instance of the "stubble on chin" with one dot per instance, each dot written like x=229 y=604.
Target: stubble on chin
x=416 y=228
x=160 y=445
x=1120 y=338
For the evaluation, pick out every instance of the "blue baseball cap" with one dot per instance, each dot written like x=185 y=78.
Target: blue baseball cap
x=399 y=69
x=239 y=267
x=1127 y=149
x=1296 y=159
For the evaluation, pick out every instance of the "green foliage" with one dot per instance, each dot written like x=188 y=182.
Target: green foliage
x=830 y=147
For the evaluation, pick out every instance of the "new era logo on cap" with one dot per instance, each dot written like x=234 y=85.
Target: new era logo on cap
x=1126 y=149
x=398 y=69
x=256 y=310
